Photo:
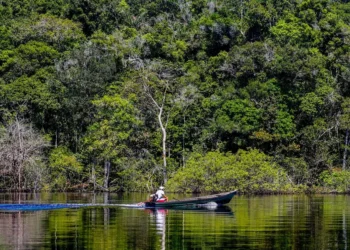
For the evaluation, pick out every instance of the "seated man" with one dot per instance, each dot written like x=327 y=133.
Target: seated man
x=159 y=195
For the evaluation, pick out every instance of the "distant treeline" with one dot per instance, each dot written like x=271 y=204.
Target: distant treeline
x=200 y=95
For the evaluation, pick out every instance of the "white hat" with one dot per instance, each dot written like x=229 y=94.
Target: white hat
x=161 y=187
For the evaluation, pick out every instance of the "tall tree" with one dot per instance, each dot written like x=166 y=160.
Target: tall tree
x=158 y=84
x=107 y=139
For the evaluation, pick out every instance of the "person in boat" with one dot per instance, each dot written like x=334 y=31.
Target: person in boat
x=159 y=196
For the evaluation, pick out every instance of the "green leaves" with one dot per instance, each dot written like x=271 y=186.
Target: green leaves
x=61 y=160
x=239 y=116
x=292 y=30
x=96 y=76
x=64 y=167
x=108 y=136
x=31 y=97
x=62 y=34
x=26 y=59
x=248 y=171
x=345 y=117
x=284 y=125
x=336 y=180
x=310 y=103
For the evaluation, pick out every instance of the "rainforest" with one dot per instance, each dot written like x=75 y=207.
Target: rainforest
x=199 y=96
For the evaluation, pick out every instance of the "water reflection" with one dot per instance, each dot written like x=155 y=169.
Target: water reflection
x=267 y=222
x=225 y=210
x=159 y=217
x=18 y=229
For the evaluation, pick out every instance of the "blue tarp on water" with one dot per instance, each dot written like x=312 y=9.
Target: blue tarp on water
x=36 y=207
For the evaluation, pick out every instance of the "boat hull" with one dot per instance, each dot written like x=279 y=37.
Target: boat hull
x=220 y=199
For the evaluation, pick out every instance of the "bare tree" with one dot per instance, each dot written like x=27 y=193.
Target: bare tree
x=157 y=82
x=20 y=147
x=163 y=122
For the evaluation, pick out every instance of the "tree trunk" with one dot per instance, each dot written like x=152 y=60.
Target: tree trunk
x=165 y=179
x=345 y=149
x=183 y=144
x=241 y=21
x=93 y=176
x=160 y=107
x=19 y=179
x=20 y=156
x=56 y=139
x=106 y=177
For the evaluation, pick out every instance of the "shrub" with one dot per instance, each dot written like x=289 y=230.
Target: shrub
x=64 y=168
x=336 y=180
x=248 y=171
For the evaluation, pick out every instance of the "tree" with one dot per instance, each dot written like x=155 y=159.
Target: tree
x=26 y=59
x=158 y=84
x=186 y=97
x=107 y=138
x=345 y=125
x=62 y=34
x=64 y=168
x=85 y=73
x=20 y=147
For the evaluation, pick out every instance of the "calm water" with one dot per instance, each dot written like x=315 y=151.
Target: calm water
x=263 y=222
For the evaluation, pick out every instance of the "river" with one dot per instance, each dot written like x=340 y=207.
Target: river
x=248 y=222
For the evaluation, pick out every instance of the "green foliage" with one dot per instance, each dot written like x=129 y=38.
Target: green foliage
x=284 y=126
x=62 y=34
x=107 y=139
x=26 y=59
x=293 y=30
x=63 y=161
x=248 y=171
x=239 y=115
x=223 y=75
x=296 y=168
x=310 y=103
x=64 y=167
x=5 y=40
x=345 y=117
x=136 y=175
x=116 y=119
x=30 y=97
x=336 y=180
x=99 y=15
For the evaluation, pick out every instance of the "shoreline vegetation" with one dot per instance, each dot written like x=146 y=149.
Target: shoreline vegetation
x=199 y=96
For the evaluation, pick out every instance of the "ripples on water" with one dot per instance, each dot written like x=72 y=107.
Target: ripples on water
x=263 y=222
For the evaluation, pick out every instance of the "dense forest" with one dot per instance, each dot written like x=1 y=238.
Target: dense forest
x=200 y=96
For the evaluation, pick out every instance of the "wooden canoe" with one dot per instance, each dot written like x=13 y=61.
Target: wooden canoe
x=220 y=199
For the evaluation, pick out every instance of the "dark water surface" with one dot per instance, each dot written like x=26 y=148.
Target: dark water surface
x=259 y=222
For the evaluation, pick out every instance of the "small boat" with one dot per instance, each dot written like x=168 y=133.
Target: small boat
x=203 y=202
x=219 y=199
